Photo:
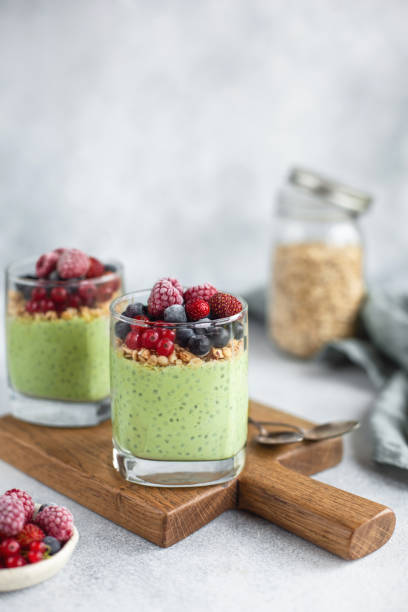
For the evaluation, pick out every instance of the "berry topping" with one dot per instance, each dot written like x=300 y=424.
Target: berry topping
x=238 y=330
x=183 y=335
x=38 y=547
x=53 y=544
x=56 y=521
x=72 y=263
x=197 y=309
x=38 y=293
x=87 y=292
x=14 y=561
x=122 y=329
x=30 y=533
x=150 y=338
x=134 y=310
x=205 y=292
x=224 y=305
x=170 y=334
x=165 y=346
x=163 y=294
x=175 y=314
x=12 y=515
x=96 y=268
x=199 y=345
x=59 y=295
x=219 y=336
x=9 y=546
x=46 y=264
x=175 y=283
x=25 y=499
x=134 y=340
x=34 y=556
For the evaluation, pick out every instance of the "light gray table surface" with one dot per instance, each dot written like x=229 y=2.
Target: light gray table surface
x=240 y=561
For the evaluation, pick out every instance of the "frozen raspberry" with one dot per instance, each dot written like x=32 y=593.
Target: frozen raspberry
x=72 y=264
x=197 y=309
x=224 y=305
x=175 y=283
x=205 y=292
x=25 y=499
x=29 y=533
x=56 y=521
x=12 y=515
x=46 y=264
x=96 y=268
x=163 y=294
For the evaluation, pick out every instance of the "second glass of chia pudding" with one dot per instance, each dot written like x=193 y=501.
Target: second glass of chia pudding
x=179 y=385
x=57 y=332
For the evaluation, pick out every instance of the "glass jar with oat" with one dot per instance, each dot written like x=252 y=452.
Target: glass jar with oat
x=316 y=278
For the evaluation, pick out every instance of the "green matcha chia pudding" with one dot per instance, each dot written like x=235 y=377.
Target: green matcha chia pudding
x=179 y=384
x=57 y=329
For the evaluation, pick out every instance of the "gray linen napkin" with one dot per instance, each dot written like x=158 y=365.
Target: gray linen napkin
x=381 y=349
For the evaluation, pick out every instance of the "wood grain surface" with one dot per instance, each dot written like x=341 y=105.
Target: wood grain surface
x=275 y=484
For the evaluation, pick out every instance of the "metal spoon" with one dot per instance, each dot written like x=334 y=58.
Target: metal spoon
x=319 y=432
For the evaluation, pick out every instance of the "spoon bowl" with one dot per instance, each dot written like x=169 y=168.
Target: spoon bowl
x=293 y=434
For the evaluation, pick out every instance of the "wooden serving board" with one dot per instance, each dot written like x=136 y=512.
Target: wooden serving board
x=275 y=484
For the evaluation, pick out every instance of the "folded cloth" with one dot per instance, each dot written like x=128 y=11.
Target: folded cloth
x=381 y=349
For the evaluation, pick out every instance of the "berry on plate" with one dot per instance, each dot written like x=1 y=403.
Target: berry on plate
x=53 y=544
x=12 y=515
x=14 y=561
x=72 y=263
x=46 y=264
x=25 y=499
x=56 y=521
x=205 y=292
x=224 y=305
x=197 y=309
x=29 y=533
x=175 y=314
x=9 y=546
x=163 y=294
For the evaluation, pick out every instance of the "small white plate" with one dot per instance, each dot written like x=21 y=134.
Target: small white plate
x=21 y=577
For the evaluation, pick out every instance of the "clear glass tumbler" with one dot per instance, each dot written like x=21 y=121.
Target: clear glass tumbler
x=57 y=334
x=179 y=420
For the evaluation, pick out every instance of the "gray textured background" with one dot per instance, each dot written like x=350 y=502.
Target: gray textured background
x=158 y=132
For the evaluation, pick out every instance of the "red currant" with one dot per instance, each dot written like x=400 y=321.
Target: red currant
x=165 y=346
x=34 y=556
x=38 y=547
x=150 y=338
x=46 y=305
x=139 y=328
x=9 y=546
x=74 y=301
x=170 y=334
x=38 y=293
x=32 y=306
x=105 y=292
x=14 y=561
x=87 y=292
x=59 y=295
x=134 y=340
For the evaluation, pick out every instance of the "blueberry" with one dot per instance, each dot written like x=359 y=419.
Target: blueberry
x=204 y=329
x=183 y=335
x=110 y=268
x=43 y=506
x=53 y=544
x=134 y=310
x=199 y=345
x=238 y=330
x=122 y=329
x=175 y=314
x=220 y=336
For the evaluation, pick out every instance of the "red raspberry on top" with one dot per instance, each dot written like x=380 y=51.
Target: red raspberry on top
x=96 y=268
x=205 y=292
x=224 y=305
x=46 y=264
x=25 y=499
x=175 y=283
x=72 y=263
x=30 y=533
x=56 y=521
x=12 y=515
x=197 y=309
x=163 y=294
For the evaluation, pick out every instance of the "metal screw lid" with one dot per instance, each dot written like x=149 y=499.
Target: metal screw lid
x=332 y=192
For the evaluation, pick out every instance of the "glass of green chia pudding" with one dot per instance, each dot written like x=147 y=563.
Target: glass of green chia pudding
x=57 y=333
x=179 y=385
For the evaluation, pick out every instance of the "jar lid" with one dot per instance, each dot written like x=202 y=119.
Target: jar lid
x=332 y=192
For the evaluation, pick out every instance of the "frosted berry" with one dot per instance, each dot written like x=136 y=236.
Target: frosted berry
x=56 y=521
x=96 y=268
x=176 y=284
x=38 y=293
x=175 y=314
x=72 y=263
x=59 y=295
x=165 y=346
x=25 y=499
x=150 y=338
x=12 y=515
x=134 y=340
x=224 y=305
x=163 y=294
x=9 y=546
x=14 y=561
x=46 y=264
x=197 y=309
x=30 y=533
x=87 y=292
x=205 y=292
